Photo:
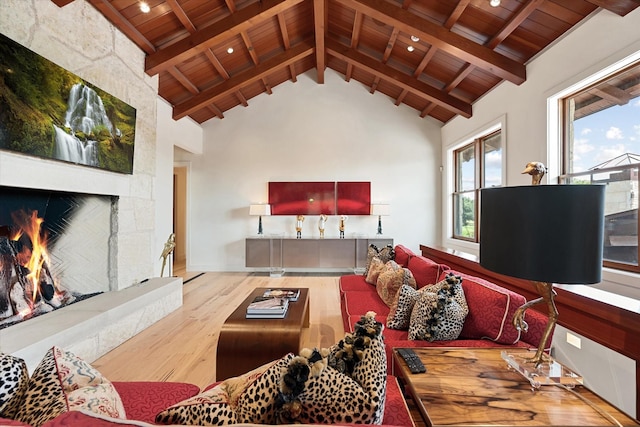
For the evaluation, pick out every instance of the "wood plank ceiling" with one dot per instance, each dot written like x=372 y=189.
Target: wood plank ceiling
x=436 y=56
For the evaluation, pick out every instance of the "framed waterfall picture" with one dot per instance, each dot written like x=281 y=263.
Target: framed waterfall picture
x=49 y=112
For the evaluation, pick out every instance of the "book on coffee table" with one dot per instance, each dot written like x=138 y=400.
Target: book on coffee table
x=291 y=294
x=279 y=315
x=266 y=305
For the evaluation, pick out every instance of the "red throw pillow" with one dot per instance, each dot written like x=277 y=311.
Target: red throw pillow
x=491 y=310
x=403 y=255
x=425 y=271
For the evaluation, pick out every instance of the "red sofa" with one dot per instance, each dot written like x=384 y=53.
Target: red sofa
x=488 y=324
x=143 y=400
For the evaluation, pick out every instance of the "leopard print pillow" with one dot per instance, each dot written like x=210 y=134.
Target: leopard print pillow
x=345 y=384
x=385 y=255
x=248 y=398
x=400 y=311
x=63 y=382
x=439 y=315
x=14 y=380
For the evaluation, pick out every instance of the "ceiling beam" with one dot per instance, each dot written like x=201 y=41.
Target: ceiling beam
x=456 y=14
x=398 y=78
x=527 y=9
x=235 y=83
x=619 y=7
x=441 y=38
x=62 y=3
x=198 y=42
x=320 y=30
x=182 y=16
x=124 y=25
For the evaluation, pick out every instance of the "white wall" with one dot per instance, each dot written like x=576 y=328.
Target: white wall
x=603 y=40
x=182 y=133
x=81 y=40
x=337 y=131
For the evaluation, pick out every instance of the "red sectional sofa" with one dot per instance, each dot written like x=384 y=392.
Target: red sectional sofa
x=488 y=323
x=143 y=400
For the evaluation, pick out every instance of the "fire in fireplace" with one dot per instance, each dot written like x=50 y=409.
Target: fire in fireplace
x=44 y=236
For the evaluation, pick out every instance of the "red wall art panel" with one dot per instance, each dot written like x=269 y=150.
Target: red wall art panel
x=315 y=198
x=353 y=198
x=302 y=198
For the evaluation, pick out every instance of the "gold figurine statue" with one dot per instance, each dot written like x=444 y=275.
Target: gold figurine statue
x=169 y=246
x=343 y=220
x=321 y=223
x=299 y=221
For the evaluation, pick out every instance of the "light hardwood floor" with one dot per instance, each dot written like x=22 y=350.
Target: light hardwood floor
x=182 y=346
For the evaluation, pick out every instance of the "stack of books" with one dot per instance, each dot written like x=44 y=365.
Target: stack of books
x=290 y=294
x=267 y=308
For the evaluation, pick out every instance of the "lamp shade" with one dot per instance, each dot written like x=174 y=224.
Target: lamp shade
x=260 y=209
x=545 y=233
x=380 y=209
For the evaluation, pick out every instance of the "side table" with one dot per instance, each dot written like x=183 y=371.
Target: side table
x=474 y=386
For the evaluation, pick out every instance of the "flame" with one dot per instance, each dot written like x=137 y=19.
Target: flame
x=35 y=259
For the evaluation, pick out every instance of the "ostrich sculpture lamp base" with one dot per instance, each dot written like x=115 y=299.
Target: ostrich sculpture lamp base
x=540 y=369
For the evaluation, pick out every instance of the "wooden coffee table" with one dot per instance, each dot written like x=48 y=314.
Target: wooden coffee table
x=473 y=386
x=246 y=344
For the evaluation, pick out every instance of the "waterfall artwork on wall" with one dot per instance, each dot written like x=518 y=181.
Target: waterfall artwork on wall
x=49 y=112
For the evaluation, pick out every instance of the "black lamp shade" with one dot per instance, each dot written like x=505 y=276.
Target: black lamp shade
x=546 y=233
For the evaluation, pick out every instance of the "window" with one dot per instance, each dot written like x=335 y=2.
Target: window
x=477 y=165
x=601 y=144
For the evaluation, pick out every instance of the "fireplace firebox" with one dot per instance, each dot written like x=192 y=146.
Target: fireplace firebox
x=55 y=249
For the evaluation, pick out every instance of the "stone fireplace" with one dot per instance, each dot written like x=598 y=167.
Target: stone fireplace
x=78 y=38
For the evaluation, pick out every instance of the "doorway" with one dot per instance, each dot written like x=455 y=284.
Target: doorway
x=180 y=217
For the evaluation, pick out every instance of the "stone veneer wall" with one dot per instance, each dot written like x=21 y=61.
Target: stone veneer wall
x=78 y=38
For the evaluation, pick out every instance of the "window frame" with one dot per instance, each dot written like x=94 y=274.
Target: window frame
x=565 y=153
x=478 y=144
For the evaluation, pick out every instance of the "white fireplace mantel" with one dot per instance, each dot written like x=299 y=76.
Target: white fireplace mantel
x=93 y=327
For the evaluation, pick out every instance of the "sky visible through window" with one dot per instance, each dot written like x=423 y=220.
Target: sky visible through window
x=606 y=135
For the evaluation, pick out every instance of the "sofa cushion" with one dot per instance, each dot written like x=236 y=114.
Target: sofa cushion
x=396 y=411
x=143 y=400
x=343 y=384
x=491 y=310
x=354 y=282
x=400 y=310
x=360 y=302
x=425 y=271
x=8 y=422
x=391 y=279
x=63 y=382
x=403 y=254
x=376 y=266
x=248 y=398
x=14 y=380
x=440 y=312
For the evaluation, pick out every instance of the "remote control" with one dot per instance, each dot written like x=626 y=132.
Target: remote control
x=413 y=361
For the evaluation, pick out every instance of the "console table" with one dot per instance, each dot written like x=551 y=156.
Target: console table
x=277 y=252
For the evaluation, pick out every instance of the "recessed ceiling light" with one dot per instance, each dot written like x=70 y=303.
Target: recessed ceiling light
x=230 y=50
x=415 y=39
x=144 y=7
x=410 y=48
x=494 y=3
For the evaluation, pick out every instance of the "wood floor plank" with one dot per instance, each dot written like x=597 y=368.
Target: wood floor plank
x=182 y=346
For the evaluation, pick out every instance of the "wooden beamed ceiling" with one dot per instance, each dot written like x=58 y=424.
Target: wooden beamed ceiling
x=435 y=56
